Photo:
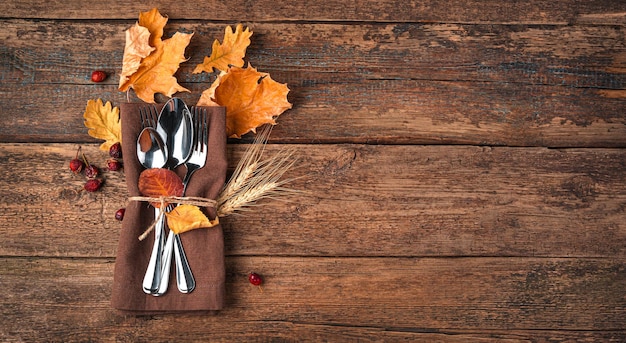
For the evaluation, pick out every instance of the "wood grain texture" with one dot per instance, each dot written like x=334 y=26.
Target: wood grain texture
x=442 y=113
x=442 y=299
x=461 y=166
x=576 y=56
x=492 y=11
x=357 y=200
x=515 y=85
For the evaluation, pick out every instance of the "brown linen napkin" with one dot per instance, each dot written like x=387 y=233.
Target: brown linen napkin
x=204 y=247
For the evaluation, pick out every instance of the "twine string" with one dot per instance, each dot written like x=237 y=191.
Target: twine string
x=197 y=201
x=162 y=200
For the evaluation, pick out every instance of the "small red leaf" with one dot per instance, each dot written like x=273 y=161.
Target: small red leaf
x=157 y=182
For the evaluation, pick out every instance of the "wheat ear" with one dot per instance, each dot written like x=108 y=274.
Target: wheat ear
x=254 y=179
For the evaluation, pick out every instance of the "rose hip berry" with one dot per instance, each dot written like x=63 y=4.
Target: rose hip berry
x=98 y=76
x=76 y=166
x=91 y=171
x=115 y=150
x=113 y=164
x=255 y=279
x=92 y=185
x=119 y=214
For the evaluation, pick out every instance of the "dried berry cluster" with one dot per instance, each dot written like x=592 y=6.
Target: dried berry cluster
x=80 y=165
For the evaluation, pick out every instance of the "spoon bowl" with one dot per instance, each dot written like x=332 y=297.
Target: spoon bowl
x=175 y=126
x=151 y=150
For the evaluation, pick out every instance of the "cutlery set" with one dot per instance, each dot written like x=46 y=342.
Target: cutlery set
x=174 y=137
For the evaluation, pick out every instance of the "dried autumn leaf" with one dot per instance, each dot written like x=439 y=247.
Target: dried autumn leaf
x=157 y=182
x=251 y=99
x=206 y=98
x=185 y=218
x=137 y=47
x=230 y=53
x=103 y=122
x=155 y=73
x=154 y=22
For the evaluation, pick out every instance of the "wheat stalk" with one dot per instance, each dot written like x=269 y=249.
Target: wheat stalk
x=237 y=182
x=254 y=179
x=247 y=165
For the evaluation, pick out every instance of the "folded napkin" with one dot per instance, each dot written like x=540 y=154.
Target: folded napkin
x=204 y=247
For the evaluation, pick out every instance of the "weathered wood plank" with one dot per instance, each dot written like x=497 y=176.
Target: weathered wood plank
x=445 y=299
x=414 y=112
x=492 y=11
x=575 y=56
x=475 y=84
x=360 y=200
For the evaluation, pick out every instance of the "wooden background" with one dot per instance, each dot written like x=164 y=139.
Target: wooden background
x=462 y=162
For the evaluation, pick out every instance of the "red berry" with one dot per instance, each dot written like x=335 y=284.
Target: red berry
x=91 y=171
x=76 y=165
x=255 y=279
x=93 y=185
x=119 y=214
x=115 y=150
x=113 y=164
x=98 y=76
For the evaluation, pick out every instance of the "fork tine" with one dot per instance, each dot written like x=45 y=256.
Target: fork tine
x=205 y=129
x=148 y=116
x=142 y=116
x=153 y=116
x=194 y=120
x=200 y=130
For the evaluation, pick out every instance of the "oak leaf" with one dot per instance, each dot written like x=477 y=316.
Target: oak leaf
x=230 y=53
x=155 y=73
x=103 y=122
x=160 y=182
x=185 y=218
x=251 y=99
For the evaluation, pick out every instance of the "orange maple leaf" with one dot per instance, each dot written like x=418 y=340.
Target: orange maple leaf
x=251 y=99
x=103 y=122
x=157 y=182
x=154 y=22
x=230 y=53
x=137 y=47
x=155 y=73
x=185 y=218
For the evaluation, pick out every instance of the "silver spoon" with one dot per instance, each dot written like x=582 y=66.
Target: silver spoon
x=152 y=153
x=151 y=150
x=176 y=125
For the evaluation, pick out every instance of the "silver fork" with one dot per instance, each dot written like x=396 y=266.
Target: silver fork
x=152 y=278
x=184 y=278
x=198 y=156
x=148 y=117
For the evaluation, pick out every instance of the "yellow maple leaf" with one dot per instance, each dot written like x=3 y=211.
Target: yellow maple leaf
x=103 y=122
x=185 y=218
x=230 y=53
x=251 y=99
x=155 y=73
